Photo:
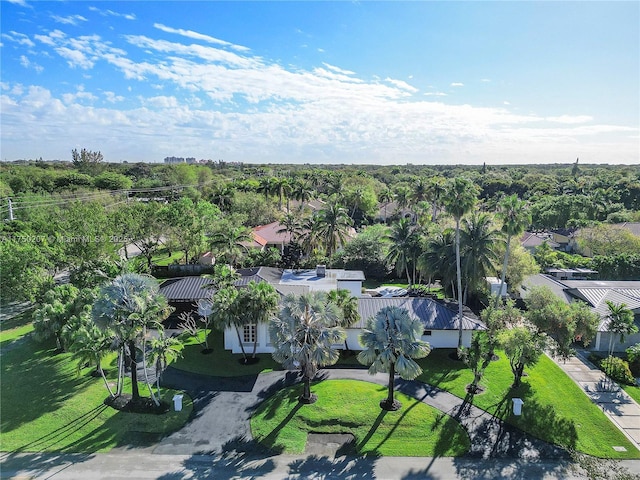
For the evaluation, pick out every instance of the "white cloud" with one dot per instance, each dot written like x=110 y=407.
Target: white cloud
x=199 y=36
x=238 y=106
x=457 y=84
x=111 y=13
x=570 y=119
x=19 y=38
x=22 y=3
x=70 y=20
x=26 y=63
x=485 y=80
x=506 y=103
x=401 y=84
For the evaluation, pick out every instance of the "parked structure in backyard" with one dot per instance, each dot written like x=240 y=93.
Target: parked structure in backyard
x=438 y=318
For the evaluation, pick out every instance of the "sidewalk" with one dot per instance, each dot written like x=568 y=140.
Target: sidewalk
x=623 y=411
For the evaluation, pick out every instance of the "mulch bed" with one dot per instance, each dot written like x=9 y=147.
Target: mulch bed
x=125 y=403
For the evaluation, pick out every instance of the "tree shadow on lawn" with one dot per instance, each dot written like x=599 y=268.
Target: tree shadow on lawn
x=38 y=464
x=239 y=458
x=32 y=383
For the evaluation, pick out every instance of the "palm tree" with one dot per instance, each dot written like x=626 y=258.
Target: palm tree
x=229 y=243
x=620 y=322
x=459 y=198
x=435 y=192
x=281 y=186
x=164 y=350
x=128 y=306
x=349 y=306
x=256 y=303
x=89 y=344
x=515 y=218
x=303 y=334
x=292 y=225
x=303 y=192
x=478 y=241
x=391 y=340
x=404 y=247
x=439 y=258
x=403 y=197
x=386 y=197
x=332 y=224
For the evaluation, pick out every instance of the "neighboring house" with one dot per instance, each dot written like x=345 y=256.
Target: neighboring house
x=633 y=227
x=531 y=240
x=565 y=238
x=595 y=293
x=439 y=320
x=268 y=236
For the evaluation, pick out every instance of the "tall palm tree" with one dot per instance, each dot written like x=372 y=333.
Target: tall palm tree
x=332 y=224
x=404 y=247
x=403 y=197
x=391 y=340
x=478 y=240
x=292 y=225
x=439 y=258
x=303 y=192
x=229 y=243
x=459 y=198
x=266 y=187
x=515 y=217
x=386 y=196
x=303 y=334
x=282 y=188
x=128 y=306
x=435 y=192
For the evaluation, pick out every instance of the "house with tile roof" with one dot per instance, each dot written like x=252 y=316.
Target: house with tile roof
x=440 y=319
x=595 y=293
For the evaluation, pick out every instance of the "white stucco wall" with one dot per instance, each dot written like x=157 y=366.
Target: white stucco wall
x=355 y=287
x=437 y=339
x=601 y=342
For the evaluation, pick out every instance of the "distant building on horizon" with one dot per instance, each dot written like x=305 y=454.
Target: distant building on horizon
x=180 y=160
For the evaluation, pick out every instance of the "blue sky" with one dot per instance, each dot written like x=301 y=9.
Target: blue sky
x=322 y=82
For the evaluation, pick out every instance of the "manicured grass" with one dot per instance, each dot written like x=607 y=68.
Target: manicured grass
x=47 y=406
x=633 y=392
x=349 y=406
x=555 y=408
x=162 y=258
x=220 y=362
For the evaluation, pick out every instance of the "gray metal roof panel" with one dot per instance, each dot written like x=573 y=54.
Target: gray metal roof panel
x=185 y=289
x=432 y=314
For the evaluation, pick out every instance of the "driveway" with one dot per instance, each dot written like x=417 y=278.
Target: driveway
x=223 y=407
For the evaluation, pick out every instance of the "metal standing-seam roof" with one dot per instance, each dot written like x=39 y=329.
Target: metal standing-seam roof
x=185 y=289
x=433 y=315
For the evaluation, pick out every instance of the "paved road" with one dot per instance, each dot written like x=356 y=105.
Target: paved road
x=216 y=443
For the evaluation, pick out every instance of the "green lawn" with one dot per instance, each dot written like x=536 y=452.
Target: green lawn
x=220 y=362
x=162 y=257
x=633 y=392
x=555 y=408
x=349 y=406
x=46 y=406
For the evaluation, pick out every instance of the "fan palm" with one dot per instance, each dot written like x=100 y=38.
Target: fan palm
x=391 y=340
x=303 y=334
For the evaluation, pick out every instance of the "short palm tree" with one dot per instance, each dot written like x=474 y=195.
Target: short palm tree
x=164 y=350
x=515 y=218
x=459 y=198
x=349 y=306
x=303 y=334
x=230 y=243
x=391 y=340
x=620 y=322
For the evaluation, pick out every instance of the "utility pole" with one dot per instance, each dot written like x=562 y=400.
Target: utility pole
x=11 y=218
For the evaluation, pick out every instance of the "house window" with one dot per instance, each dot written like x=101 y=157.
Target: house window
x=426 y=333
x=249 y=333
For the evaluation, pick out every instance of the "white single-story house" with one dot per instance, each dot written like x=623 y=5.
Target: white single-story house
x=596 y=293
x=440 y=320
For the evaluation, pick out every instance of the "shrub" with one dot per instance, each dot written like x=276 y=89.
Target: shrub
x=633 y=356
x=618 y=369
